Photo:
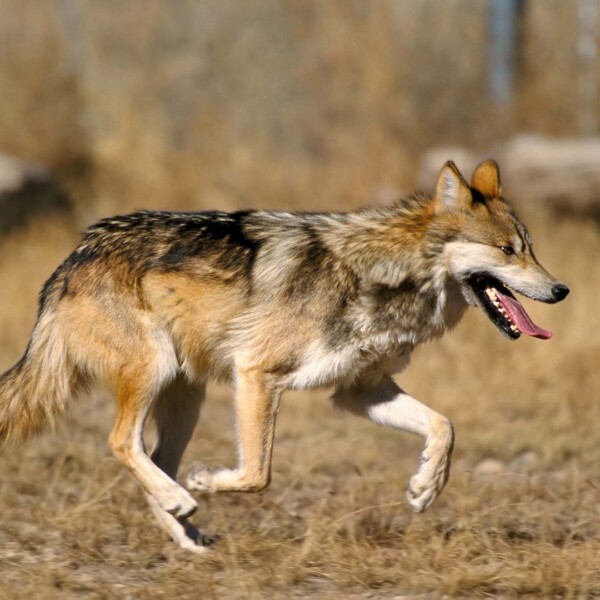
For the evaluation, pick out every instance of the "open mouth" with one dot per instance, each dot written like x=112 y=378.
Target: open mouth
x=503 y=309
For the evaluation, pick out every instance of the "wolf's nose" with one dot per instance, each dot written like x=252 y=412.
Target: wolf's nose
x=560 y=291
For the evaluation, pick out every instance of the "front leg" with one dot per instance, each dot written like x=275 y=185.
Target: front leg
x=256 y=404
x=383 y=402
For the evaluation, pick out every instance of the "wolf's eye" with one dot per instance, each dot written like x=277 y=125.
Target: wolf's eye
x=507 y=249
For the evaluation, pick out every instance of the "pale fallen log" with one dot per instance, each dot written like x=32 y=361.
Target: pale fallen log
x=533 y=168
x=27 y=190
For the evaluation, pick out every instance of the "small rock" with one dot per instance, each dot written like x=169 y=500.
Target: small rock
x=524 y=463
x=489 y=467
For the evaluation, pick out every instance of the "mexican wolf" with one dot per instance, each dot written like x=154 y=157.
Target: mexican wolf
x=155 y=304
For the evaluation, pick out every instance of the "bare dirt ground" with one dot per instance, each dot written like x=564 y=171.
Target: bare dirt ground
x=520 y=516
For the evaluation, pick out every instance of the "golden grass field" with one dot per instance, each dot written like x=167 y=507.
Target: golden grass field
x=520 y=516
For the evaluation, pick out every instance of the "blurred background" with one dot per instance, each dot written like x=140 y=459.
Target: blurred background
x=107 y=106
x=222 y=104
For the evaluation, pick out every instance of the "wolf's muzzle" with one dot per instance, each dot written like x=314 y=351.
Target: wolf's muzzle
x=559 y=292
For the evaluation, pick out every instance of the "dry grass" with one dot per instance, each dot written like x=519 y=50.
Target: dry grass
x=520 y=515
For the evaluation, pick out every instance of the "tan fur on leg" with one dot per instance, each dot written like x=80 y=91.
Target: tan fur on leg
x=176 y=413
x=257 y=402
x=127 y=444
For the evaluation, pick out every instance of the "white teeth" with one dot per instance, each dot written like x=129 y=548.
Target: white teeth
x=491 y=292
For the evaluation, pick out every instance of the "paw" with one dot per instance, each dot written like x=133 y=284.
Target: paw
x=199 y=543
x=427 y=483
x=420 y=495
x=216 y=479
x=177 y=502
x=195 y=548
x=201 y=479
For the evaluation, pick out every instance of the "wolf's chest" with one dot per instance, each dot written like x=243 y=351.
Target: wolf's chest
x=384 y=336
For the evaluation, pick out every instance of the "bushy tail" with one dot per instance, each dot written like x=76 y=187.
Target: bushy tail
x=39 y=386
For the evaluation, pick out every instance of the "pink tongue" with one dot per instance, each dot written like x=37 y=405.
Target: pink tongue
x=520 y=318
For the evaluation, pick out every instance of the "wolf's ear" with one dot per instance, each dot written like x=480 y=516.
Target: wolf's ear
x=486 y=179
x=452 y=191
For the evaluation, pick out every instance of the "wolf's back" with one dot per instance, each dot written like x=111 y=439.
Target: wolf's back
x=35 y=390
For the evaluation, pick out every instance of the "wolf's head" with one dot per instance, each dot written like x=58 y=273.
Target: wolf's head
x=489 y=251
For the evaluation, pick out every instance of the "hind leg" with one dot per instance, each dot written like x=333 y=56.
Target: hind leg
x=176 y=413
x=135 y=396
